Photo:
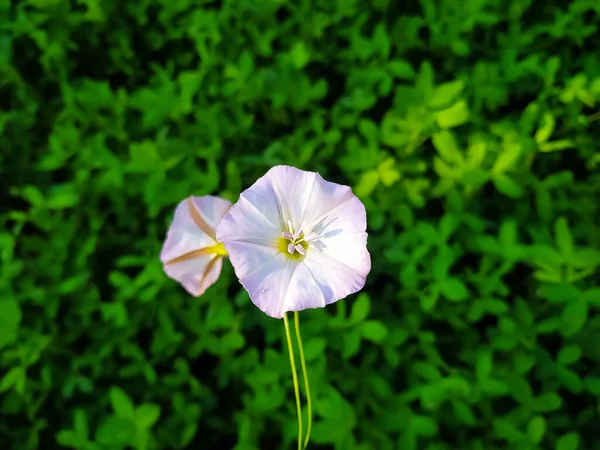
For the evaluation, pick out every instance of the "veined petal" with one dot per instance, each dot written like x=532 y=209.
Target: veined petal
x=254 y=218
x=340 y=234
x=335 y=279
x=293 y=188
x=280 y=285
x=193 y=226
x=246 y=257
x=196 y=275
x=338 y=258
x=211 y=208
x=190 y=254
x=328 y=200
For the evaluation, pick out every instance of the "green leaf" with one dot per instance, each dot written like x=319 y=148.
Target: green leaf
x=546 y=127
x=543 y=203
x=16 y=378
x=374 y=331
x=10 y=318
x=299 y=54
x=569 y=379
x=147 y=415
x=117 y=431
x=121 y=403
x=453 y=289
x=232 y=341
x=441 y=262
x=448 y=226
x=360 y=309
x=80 y=423
x=68 y=438
x=143 y=157
x=454 y=116
x=564 y=240
x=367 y=184
x=444 y=94
x=507 y=431
x=592 y=296
x=559 y=293
x=569 y=355
x=520 y=390
x=574 y=317
x=484 y=364
x=494 y=387
x=536 y=429
x=507 y=159
x=444 y=143
x=351 y=344
x=507 y=186
x=592 y=385
x=423 y=426
x=555 y=146
x=547 y=402
x=463 y=412
x=586 y=258
x=314 y=348
x=401 y=69
x=62 y=196
x=388 y=174
x=569 y=441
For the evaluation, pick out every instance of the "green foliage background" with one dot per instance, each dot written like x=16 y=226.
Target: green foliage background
x=464 y=127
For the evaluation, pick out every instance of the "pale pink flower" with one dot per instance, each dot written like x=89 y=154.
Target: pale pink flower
x=191 y=254
x=296 y=241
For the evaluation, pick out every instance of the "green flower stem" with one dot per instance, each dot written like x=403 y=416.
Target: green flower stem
x=305 y=375
x=294 y=377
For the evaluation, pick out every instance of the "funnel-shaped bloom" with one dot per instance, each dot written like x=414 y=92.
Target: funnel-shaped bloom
x=191 y=254
x=296 y=241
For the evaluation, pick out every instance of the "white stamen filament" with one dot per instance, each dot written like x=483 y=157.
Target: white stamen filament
x=295 y=240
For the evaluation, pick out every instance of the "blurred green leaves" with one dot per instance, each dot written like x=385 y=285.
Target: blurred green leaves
x=465 y=128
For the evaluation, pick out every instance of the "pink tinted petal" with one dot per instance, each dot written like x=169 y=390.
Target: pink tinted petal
x=281 y=285
x=196 y=275
x=254 y=218
x=341 y=235
x=338 y=257
x=184 y=235
x=211 y=208
x=328 y=200
x=303 y=291
x=293 y=187
x=335 y=279
x=246 y=257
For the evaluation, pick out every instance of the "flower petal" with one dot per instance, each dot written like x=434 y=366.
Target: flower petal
x=254 y=218
x=335 y=279
x=246 y=257
x=293 y=188
x=193 y=226
x=330 y=200
x=188 y=254
x=281 y=284
x=340 y=234
x=211 y=208
x=337 y=257
x=196 y=275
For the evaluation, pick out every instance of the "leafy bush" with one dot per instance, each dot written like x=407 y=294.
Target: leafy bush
x=464 y=127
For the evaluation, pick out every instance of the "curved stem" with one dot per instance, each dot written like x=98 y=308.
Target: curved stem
x=294 y=377
x=305 y=376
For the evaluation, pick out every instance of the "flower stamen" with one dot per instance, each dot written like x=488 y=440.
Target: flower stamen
x=297 y=241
